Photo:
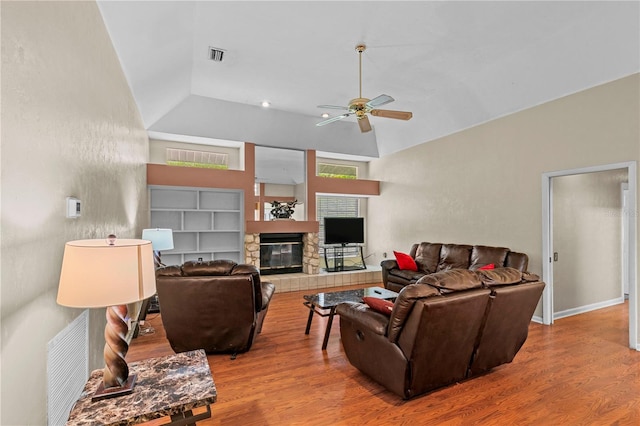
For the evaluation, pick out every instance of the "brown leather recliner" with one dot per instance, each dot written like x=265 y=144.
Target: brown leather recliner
x=218 y=306
x=448 y=327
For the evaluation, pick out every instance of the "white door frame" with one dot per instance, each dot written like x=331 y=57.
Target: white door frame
x=547 y=242
x=626 y=215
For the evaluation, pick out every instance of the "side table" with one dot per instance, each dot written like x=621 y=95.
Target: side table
x=166 y=386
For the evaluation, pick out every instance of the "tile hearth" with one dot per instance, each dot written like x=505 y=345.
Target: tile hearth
x=324 y=280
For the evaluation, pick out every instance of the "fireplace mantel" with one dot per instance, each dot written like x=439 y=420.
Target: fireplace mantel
x=281 y=226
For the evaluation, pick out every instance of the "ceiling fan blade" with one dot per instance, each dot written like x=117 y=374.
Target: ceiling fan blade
x=332 y=119
x=365 y=125
x=333 y=107
x=380 y=100
x=387 y=113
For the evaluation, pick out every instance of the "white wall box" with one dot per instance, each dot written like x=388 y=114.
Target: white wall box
x=207 y=224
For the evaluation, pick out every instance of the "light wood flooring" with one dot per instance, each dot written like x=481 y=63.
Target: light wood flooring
x=579 y=371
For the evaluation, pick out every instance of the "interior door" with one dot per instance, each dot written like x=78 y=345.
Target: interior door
x=587 y=241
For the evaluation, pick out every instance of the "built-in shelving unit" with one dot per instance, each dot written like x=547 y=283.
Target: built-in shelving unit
x=207 y=224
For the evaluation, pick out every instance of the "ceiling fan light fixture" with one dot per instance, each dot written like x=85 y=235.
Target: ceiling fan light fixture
x=324 y=115
x=266 y=104
x=362 y=106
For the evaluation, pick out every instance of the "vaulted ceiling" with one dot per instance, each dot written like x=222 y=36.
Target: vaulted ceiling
x=453 y=64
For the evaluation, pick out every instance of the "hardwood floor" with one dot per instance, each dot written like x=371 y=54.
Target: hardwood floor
x=579 y=371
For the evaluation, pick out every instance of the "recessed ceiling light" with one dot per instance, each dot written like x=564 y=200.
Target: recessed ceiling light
x=265 y=104
x=325 y=115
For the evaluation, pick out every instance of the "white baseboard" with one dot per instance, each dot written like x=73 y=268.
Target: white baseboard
x=537 y=319
x=587 y=308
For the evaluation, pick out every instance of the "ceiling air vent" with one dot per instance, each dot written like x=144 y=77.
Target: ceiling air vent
x=215 y=54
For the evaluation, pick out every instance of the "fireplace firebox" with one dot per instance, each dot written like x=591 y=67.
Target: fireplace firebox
x=280 y=253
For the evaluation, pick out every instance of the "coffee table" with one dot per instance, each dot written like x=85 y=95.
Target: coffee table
x=321 y=302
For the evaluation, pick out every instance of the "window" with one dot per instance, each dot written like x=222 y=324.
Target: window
x=335 y=207
x=340 y=171
x=201 y=159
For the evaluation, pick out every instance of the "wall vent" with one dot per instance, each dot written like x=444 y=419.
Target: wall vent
x=216 y=54
x=67 y=368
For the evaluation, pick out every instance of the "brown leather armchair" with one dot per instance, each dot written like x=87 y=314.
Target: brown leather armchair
x=218 y=306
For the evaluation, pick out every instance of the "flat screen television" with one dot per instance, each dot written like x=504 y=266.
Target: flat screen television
x=343 y=230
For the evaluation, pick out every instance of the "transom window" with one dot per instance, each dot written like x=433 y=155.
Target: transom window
x=339 y=171
x=201 y=159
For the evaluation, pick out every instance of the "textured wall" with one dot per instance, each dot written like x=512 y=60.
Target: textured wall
x=482 y=185
x=70 y=127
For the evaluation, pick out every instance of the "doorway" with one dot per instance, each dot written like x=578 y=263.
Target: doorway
x=548 y=246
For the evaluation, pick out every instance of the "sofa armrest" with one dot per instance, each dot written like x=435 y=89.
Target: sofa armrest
x=363 y=317
x=267 y=292
x=389 y=264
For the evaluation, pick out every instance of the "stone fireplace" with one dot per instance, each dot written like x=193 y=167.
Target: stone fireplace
x=281 y=253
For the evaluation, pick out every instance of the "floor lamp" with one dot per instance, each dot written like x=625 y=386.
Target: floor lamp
x=108 y=273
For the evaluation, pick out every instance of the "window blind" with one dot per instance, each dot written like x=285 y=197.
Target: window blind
x=335 y=207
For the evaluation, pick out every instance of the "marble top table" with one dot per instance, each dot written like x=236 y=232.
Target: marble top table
x=329 y=300
x=167 y=386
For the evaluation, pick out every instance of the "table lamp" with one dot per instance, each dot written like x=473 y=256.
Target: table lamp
x=161 y=239
x=108 y=273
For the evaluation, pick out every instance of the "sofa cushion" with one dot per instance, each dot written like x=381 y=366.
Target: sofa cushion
x=406 y=274
x=452 y=280
x=379 y=305
x=169 y=271
x=516 y=260
x=428 y=256
x=211 y=267
x=405 y=261
x=403 y=305
x=484 y=255
x=500 y=276
x=454 y=256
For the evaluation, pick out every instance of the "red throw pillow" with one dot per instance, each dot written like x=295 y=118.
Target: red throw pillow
x=405 y=261
x=379 y=305
x=489 y=266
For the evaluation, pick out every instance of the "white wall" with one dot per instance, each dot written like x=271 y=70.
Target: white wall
x=587 y=212
x=70 y=127
x=482 y=185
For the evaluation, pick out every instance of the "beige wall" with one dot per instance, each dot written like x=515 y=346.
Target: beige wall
x=587 y=212
x=482 y=185
x=70 y=127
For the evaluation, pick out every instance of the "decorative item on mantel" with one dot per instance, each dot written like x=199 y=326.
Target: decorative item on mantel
x=283 y=211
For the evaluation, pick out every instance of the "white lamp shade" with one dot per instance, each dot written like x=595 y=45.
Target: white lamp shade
x=161 y=239
x=96 y=274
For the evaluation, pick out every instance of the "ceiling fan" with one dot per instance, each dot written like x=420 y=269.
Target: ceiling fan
x=362 y=106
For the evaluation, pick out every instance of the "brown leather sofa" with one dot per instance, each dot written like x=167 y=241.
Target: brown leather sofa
x=218 y=306
x=448 y=327
x=437 y=257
